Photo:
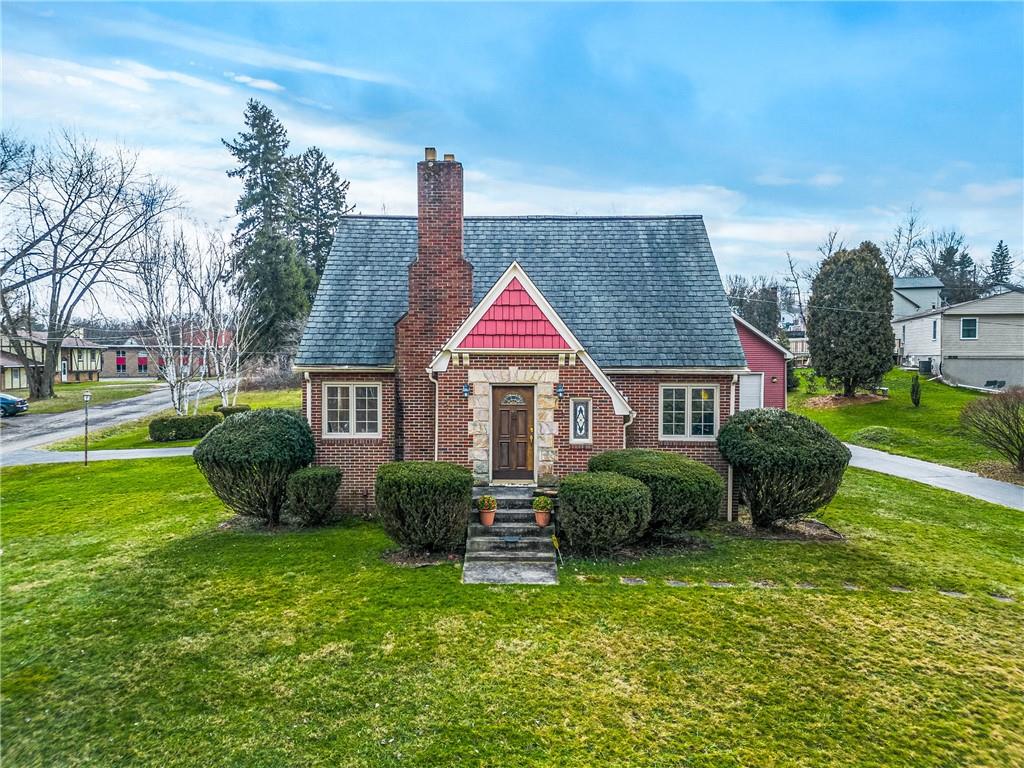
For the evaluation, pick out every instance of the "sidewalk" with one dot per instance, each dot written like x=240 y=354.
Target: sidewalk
x=959 y=480
x=40 y=456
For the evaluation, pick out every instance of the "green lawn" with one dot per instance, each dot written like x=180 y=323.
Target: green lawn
x=68 y=397
x=135 y=632
x=135 y=434
x=930 y=432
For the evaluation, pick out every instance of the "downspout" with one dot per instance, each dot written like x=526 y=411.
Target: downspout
x=430 y=375
x=309 y=399
x=732 y=412
x=625 y=426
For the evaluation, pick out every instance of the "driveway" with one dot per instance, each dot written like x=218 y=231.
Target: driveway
x=959 y=480
x=20 y=433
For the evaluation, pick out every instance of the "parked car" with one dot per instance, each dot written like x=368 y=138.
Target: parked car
x=11 y=405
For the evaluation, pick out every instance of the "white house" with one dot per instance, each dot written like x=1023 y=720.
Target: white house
x=911 y=295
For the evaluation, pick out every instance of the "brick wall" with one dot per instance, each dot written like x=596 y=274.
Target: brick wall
x=358 y=458
x=440 y=298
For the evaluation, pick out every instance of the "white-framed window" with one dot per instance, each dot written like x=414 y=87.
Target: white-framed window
x=935 y=329
x=688 y=412
x=968 y=327
x=351 y=409
x=580 y=430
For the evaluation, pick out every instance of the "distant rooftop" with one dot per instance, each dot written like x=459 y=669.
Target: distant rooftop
x=916 y=282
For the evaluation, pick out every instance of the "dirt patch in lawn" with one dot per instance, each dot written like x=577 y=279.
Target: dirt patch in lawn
x=998 y=470
x=838 y=401
x=798 y=530
x=406 y=559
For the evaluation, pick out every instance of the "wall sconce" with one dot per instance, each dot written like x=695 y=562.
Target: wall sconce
x=775 y=379
x=465 y=390
x=560 y=390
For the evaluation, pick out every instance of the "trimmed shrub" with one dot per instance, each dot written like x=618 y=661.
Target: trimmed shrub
x=787 y=466
x=311 y=493
x=182 y=427
x=685 y=494
x=424 y=505
x=228 y=410
x=247 y=460
x=915 y=391
x=602 y=511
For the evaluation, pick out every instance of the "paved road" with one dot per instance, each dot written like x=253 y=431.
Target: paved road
x=20 y=433
x=40 y=456
x=959 y=480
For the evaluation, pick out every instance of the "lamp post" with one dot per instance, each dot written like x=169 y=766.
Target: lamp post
x=86 y=397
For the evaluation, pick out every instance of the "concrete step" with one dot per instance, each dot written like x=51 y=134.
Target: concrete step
x=509 y=573
x=511 y=528
x=522 y=515
x=507 y=496
x=511 y=556
x=502 y=543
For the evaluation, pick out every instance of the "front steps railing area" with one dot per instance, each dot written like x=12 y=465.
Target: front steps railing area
x=514 y=550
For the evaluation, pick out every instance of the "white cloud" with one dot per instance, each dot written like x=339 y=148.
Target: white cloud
x=821 y=180
x=1000 y=190
x=255 y=82
x=826 y=179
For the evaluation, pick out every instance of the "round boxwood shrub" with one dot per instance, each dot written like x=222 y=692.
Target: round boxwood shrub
x=182 y=427
x=424 y=505
x=602 y=511
x=228 y=410
x=786 y=465
x=685 y=494
x=311 y=493
x=247 y=460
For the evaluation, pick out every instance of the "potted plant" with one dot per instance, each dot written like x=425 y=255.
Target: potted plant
x=542 y=507
x=487 y=505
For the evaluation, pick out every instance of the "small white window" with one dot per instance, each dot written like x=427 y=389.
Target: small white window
x=968 y=327
x=351 y=410
x=935 y=329
x=689 y=412
x=579 y=417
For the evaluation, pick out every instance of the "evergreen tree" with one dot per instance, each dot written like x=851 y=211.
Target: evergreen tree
x=318 y=201
x=282 y=301
x=1000 y=268
x=850 y=337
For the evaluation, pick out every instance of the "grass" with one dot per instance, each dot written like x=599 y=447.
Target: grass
x=930 y=432
x=68 y=397
x=137 y=632
x=135 y=434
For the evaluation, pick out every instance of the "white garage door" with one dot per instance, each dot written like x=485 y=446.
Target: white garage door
x=751 y=390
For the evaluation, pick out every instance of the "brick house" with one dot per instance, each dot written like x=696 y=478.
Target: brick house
x=515 y=346
x=128 y=359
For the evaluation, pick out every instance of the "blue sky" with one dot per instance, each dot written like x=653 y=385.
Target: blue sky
x=777 y=122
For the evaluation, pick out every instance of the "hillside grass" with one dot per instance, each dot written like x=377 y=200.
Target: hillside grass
x=68 y=397
x=138 y=631
x=135 y=433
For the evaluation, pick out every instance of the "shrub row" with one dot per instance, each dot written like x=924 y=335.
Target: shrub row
x=424 y=505
x=311 y=493
x=182 y=427
x=602 y=511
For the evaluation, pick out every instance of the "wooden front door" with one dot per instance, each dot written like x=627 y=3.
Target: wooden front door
x=512 y=419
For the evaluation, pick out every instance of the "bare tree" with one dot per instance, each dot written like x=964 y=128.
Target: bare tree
x=793 y=282
x=71 y=213
x=998 y=422
x=900 y=251
x=831 y=244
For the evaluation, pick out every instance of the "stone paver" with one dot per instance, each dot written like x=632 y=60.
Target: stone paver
x=852 y=587
x=674 y=583
x=899 y=588
x=721 y=584
x=764 y=584
x=959 y=480
x=632 y=580
x=806 y=585
x=952 y=593
x=1001 y=598
x=509 y=573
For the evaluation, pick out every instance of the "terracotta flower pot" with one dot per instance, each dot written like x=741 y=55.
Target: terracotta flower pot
x=542 y=518
x=487 y=516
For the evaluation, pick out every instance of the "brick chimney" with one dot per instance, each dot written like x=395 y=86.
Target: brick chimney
x=440 y=298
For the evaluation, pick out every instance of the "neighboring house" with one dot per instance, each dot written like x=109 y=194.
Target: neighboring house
x=517 y=347
x=797 y=337
x=14 y=371
x=127 y=359
x=765 y=385
x=80 y=360
x=976 y=343
x=911 y=295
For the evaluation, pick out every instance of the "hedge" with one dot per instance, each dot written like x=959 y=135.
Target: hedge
x=247 y=460
x=786 y=466
x=602 y=511
x=182 y=427
x=424 y=505
x=228 y=410
x=685 y=494
x=311 y=493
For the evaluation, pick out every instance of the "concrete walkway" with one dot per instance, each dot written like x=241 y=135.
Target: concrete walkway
x=40 y=456
x=959 y=480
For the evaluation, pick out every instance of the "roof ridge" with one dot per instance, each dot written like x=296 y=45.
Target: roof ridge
x=542 y=216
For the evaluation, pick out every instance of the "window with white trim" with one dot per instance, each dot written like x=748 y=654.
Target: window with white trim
x=968 y=327
x=935 y=329
x=351 y=410
x=689 y=412
x=579 y=420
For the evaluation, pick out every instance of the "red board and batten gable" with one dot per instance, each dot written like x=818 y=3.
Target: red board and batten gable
x=766 y=357
x=514 y=321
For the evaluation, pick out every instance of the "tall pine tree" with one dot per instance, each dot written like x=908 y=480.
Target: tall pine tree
x=267 y=260
x=318 y=201
x=1000 y=268
x=848 y=330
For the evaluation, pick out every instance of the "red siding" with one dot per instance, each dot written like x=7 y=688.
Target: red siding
x=514 y=321
x=768 y=359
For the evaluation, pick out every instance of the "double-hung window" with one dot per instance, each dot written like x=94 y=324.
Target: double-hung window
x=351 y=410
x=689 y=412
x=968 y=327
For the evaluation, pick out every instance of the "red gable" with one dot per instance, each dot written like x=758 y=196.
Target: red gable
x=514 y=321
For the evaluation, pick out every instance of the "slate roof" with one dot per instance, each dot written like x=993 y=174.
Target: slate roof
x=636 y=291
x=916 y=282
